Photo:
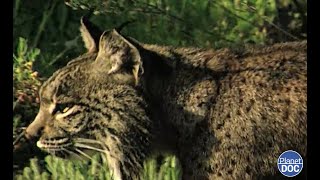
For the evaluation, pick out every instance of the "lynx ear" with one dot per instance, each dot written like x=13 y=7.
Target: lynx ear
x=90 y=34
x=117 y=54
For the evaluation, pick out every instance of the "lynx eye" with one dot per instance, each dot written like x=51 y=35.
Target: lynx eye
x=62 y=108
x=65 y=109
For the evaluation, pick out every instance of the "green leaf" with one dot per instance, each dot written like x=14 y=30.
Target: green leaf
x=22 y=47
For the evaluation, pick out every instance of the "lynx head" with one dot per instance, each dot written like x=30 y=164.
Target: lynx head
x=93 y=101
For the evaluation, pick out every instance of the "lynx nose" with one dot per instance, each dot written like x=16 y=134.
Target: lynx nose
x=36 y=127
x=33 y=133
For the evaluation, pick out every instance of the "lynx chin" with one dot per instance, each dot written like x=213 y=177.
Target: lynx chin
x=225 y=113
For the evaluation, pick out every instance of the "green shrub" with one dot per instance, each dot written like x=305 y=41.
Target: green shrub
x=25 y=82
x=53 y=168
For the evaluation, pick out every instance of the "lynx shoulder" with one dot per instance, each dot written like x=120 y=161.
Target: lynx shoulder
x=228 y=113
x=235 y=110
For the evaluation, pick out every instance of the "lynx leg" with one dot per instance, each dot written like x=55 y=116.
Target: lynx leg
x=208 y=160
x=195 y=157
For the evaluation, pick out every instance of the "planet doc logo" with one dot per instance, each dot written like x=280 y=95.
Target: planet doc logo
x=290 y=163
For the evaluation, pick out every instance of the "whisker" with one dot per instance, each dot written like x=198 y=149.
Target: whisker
x=83 y=140
x=90 y=158
x=19 y=137
x=71 y=152
x=83 y=154
x=88 y=147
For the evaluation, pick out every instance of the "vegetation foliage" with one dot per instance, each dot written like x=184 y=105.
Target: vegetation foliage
x=50 y=38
